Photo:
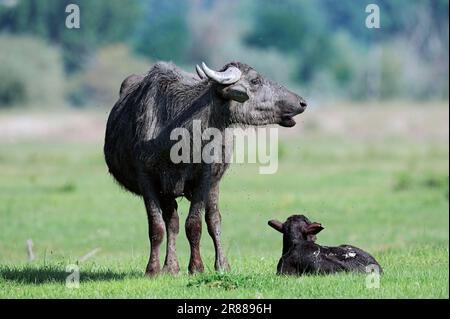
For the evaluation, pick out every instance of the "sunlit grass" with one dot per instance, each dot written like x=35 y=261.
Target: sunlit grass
x=388 y=197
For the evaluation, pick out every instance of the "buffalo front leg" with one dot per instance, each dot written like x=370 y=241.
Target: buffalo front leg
x=170 y=216
x=194 y=233
x=213 y=221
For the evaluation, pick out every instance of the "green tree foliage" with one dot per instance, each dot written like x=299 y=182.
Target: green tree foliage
x=31 y=72
x=164 y=33
x=102 y=22
x=329 y=39
x=324 y=44
x=99 y=84
x=294 y=27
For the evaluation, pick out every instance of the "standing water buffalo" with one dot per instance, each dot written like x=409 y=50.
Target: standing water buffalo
x=137 y=145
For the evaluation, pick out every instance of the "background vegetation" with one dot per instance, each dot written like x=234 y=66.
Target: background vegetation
x=322 y=47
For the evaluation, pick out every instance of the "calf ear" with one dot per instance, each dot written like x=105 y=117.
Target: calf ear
x=313 y=228
x=275 y=224
x=236 y=92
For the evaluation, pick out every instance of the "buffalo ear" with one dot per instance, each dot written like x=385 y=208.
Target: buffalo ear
x=313 y=228
x=236 y=92
x=277 y=225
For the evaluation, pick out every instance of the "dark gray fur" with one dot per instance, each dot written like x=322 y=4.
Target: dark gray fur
x=301 y=255
x=137 y=146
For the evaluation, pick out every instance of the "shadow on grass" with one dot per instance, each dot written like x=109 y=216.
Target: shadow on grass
x=46 y=274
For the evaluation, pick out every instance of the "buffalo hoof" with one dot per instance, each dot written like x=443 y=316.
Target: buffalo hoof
x=222 y=265
x=152 y=271
x=171 y=268
x=196 y=267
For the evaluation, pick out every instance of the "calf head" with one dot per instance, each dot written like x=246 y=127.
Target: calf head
x=295 y=229
x=254 y=100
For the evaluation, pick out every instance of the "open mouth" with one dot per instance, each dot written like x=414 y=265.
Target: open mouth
x=288 y=112
x=287 y=121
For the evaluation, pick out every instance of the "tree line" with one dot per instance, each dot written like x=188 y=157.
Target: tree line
x=323 y=41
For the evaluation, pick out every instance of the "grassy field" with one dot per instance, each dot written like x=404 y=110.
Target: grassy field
x=388 y=196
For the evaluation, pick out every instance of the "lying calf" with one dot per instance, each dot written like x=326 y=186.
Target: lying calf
x=301 y=255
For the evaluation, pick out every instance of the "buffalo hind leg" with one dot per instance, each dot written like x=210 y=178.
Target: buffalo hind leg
x=156 y=227
x=170 y=216
x=213 y=221
x=194 y=232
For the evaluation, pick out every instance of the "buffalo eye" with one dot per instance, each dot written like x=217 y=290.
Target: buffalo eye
x=255 y=81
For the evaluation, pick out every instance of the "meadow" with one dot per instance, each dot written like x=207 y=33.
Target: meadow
x=387 y=194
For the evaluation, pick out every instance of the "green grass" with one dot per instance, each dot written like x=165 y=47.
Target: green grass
x=388 y=197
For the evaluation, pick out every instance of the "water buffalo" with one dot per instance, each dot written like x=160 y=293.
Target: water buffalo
x=137 y=145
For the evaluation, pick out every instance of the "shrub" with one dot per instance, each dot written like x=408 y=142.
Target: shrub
x=99 y=84
x=31 y=72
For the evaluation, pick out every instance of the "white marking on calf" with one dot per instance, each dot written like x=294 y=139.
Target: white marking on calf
x=350 y=254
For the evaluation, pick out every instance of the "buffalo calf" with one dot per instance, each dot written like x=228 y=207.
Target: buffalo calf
x=301 y=255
